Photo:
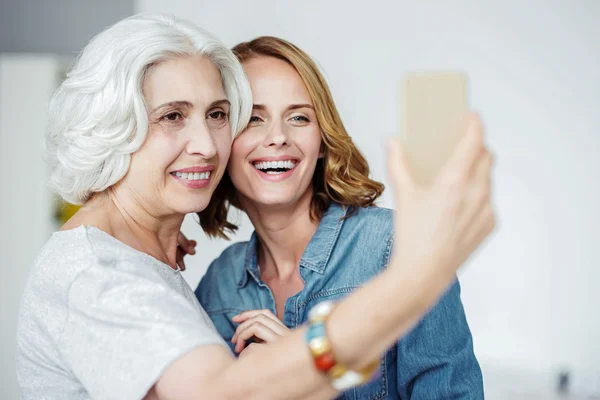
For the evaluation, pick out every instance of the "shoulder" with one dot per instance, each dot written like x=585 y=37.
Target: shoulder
x=373 y=214
x=370 y=224
x=61 y=259
x=68 y=256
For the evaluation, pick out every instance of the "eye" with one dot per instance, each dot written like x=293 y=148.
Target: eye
x=218 y=115
x=217 y=119
x=173 y=116
x=255 y=119
x=300 y=118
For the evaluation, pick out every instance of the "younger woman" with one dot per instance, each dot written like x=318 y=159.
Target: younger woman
x=306 y=188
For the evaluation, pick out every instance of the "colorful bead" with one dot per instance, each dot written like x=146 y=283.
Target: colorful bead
x=321 y=311
x=316 y=330
x=337 y=371
x=349 y=380
x=319 y=346
x=325 y=361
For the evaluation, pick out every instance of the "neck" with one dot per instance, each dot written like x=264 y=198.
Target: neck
x=283 y=233
x=129 y=221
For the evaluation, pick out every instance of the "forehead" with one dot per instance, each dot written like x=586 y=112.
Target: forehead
x=275 y=81
x=191 y=78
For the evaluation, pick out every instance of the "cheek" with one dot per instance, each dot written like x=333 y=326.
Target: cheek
x=240 y=150
x=310 y=143
x=224 y=150
x=160 y=148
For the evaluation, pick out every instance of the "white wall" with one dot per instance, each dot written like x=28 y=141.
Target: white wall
x=531 y=294
x=57 y=26
x=26 y=84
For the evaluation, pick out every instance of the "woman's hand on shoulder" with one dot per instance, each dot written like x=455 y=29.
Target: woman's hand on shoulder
x=184 y=247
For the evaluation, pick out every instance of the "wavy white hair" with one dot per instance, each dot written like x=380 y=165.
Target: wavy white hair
x=98 y=118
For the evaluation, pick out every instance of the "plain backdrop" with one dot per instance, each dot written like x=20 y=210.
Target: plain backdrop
x=530 y=294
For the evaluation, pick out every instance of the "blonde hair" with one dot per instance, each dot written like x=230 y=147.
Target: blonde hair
x=341 y=176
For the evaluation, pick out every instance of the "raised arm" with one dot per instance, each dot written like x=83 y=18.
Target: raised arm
x=437 y=228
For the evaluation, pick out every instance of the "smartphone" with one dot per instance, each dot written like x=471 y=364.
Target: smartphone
x=433 y=105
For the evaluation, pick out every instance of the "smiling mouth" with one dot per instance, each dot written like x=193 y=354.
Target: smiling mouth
x=192 y=176
x=275 y=167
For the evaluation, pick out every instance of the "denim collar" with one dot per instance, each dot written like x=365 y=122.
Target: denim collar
x=317 y=253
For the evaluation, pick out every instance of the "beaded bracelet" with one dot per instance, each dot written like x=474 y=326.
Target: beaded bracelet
x=320 y=347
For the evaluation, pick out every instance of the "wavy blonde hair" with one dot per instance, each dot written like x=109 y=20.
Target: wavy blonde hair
x=341 y=176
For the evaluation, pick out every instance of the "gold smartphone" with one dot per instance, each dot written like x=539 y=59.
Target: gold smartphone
x=432 y=109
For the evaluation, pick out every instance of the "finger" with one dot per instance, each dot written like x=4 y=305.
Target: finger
x=179 y=258
x=260 y=333
x=249 y=349
x=478 y=194
x=483 y=167
x=187 y=245
x=182 y=240
x=397 y=165
x=479 y=215
x=275 y=325
x=467 y=151
x=484 y=224
x=256 y=330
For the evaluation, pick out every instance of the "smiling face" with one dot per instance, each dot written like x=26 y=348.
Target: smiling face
x=189 y=138
x=274 y=159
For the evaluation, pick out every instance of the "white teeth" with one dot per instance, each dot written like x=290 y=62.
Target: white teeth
x=193 y=176
x=288 y=164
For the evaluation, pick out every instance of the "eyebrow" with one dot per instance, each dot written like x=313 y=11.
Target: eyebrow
x=221 y=102
x=187 y=104
x=291 y=107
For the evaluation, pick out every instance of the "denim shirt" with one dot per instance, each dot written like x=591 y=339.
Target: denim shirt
x=435 y=360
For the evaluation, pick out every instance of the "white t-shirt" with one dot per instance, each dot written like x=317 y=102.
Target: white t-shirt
x=101 y=320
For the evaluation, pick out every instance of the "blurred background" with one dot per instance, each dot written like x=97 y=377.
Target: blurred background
x=531 y=294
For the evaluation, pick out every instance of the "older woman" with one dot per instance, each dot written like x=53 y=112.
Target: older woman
x=140 y=134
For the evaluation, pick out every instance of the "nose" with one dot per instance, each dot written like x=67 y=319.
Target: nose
x=201 y=141
x=277 y=136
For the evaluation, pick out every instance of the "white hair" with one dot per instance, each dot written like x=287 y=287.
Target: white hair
x=98 y=117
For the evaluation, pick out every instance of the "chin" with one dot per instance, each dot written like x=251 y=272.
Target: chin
x=275 y=201
x=191 y=205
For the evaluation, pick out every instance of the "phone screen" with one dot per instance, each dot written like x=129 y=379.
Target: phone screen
x=433 y=105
